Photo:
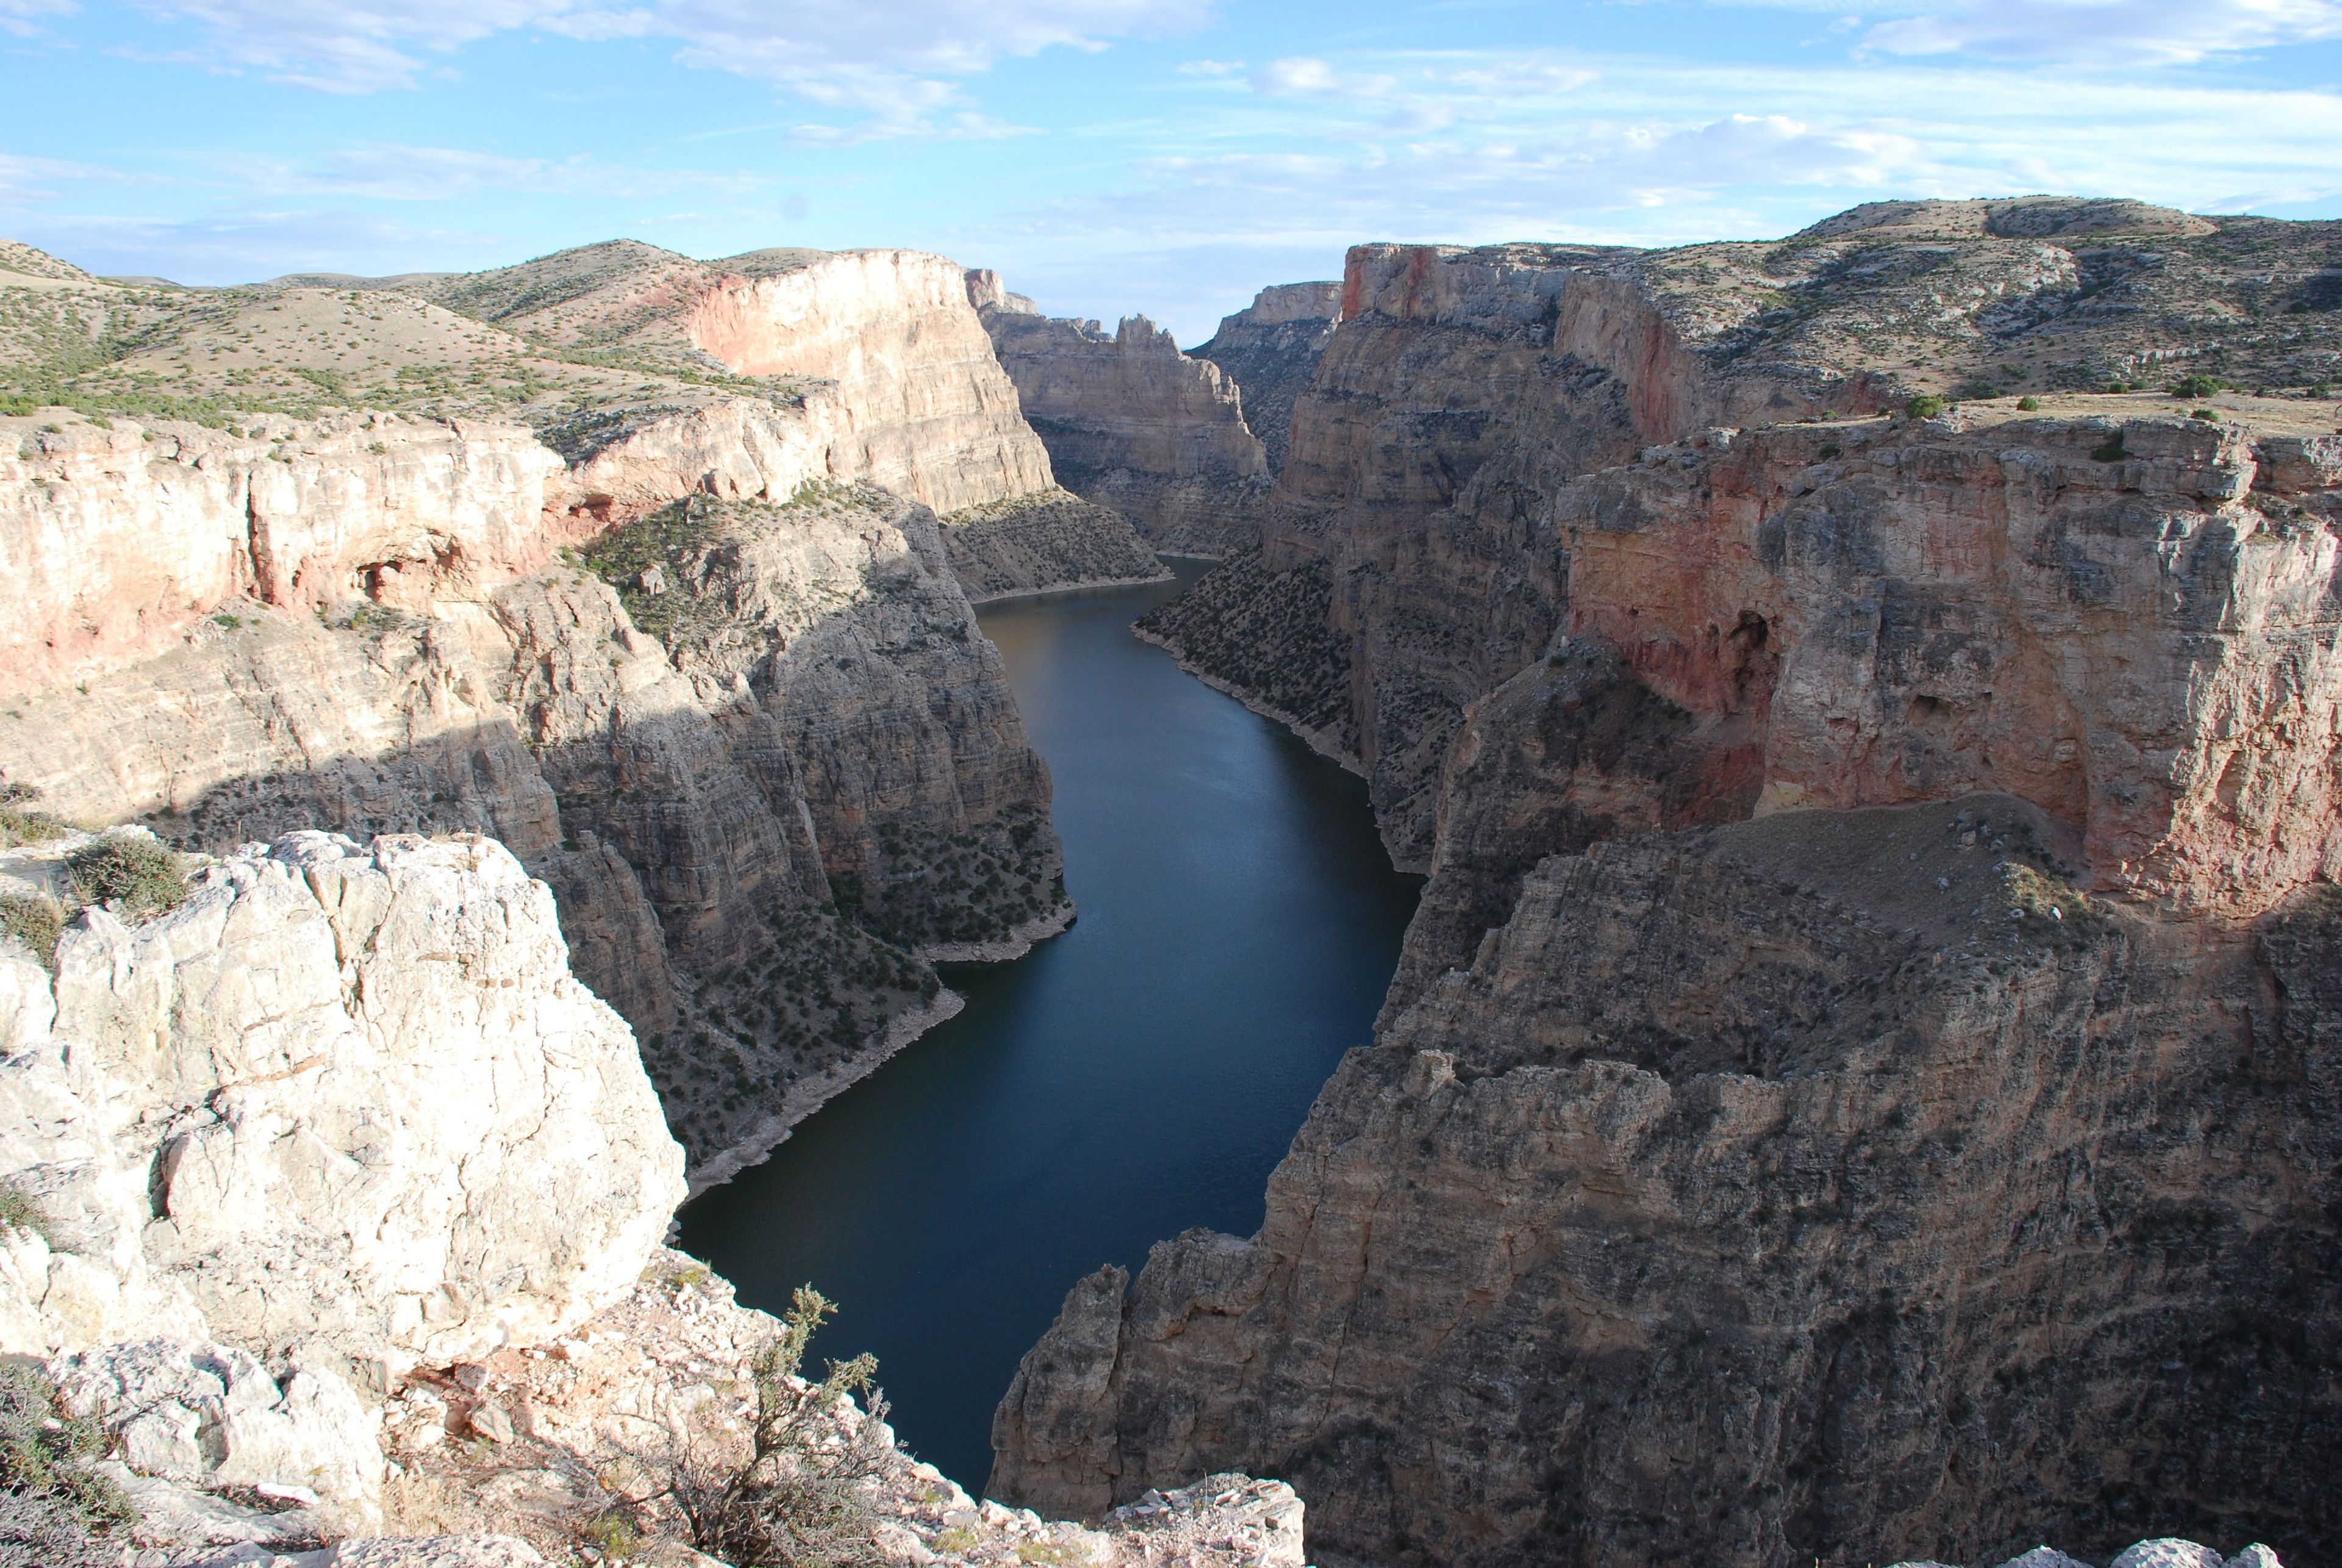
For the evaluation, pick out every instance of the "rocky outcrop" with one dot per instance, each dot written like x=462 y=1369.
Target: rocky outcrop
x=1133 y=424
x=347 y=1103
x=1464 y=388
x=1839 y=1084
x=1839 y=1186
x=538 y=1444
x=1270 y=349
x=753 y=820
x=117 y=539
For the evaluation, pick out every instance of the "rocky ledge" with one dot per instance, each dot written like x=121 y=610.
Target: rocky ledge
x=330 y=1202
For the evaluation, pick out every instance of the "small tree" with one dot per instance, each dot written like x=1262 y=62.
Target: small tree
x=129 y=870
x=801 y=1500
x=1925 y=406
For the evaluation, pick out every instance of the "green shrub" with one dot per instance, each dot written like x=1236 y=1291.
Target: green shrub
x=1925 y=406
x=2028 y=403
x=131 y=873
x=20 y=824
x=2210 y=413
x=2110 y=450
x=35 y=919
x=19 y=1213
x=2197 y=386
x=55 y=1513
x=799 y=1500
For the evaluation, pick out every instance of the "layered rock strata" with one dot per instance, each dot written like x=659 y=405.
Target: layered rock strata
x=1464 y=388
x=1840 y=1185
x=1898 y=1172
x=1270 y=350
x=118 y=539
x=1133 y=424
x=882 y=371
x=757 y=813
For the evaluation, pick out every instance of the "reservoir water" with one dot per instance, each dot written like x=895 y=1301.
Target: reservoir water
x=1138 y=1075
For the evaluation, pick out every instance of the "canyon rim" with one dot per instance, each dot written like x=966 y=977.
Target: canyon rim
x=485 y=753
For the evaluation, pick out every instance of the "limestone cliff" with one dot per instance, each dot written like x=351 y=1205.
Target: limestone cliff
x=755 y=813
x=116 y=540
x=1841 y=1186
x=1132 y=423
x=1463 y=388
x=1270 y=350
x=650 y=374
x=1943 y=1155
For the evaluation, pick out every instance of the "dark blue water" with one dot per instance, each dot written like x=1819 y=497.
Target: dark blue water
x=1140 y=1074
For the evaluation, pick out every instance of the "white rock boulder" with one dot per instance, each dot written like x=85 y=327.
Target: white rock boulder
x=344 y=1108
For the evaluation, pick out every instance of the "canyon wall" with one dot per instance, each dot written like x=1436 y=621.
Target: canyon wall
x=1270 y=349
x=746 y=726
x=762 y=815
x=116 y=541
x=1837 y=1186
x=1860 y=1082
x=1132 y=423
x=1464 y=387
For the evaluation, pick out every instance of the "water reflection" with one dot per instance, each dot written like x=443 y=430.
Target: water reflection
x=1140 y=1074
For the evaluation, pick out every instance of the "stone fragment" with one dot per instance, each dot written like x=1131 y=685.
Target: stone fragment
x=2166 y=1553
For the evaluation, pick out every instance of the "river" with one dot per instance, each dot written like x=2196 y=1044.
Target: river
x=1138 y=1075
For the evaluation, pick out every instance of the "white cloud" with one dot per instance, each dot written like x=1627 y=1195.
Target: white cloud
x=23 y=17
x=897 y=62
x=1305 y=77
x=2104 y=33
x=404 y=173
x=24 y=180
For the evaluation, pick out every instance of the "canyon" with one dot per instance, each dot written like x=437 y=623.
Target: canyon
x=1859 y=1082
x=1133 y=424
x=1855 y=1075
x=683 y=618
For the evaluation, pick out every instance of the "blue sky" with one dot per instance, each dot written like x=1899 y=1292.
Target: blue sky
x=1108 y=156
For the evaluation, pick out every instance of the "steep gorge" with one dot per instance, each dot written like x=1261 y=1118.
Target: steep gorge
x=1133 y=424
x=1858 y=1083
x=714 y=678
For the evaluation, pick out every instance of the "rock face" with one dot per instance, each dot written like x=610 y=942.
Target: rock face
x=116 y=541
x=1270 y=349
x=1859 y=1081
x=1464 y=388
x=816 y=724
x=1132 y=423
x=1813 y=1187
x=346 y=1103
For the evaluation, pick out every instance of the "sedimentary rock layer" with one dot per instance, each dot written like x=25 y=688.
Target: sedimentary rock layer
x=1908 y=1170
x=1842 y=1185
x=1270 y=350
x=116 y=540
x=1133 y=424
x=1463 y=389
x=817 y=728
